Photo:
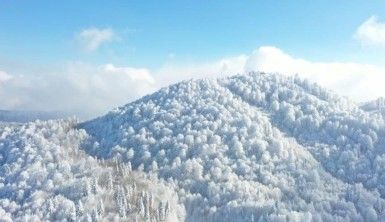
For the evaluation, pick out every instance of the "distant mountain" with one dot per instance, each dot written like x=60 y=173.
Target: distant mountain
x=27 y=116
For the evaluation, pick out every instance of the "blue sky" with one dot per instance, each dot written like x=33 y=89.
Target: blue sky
x=121 y=50
x=43 y=31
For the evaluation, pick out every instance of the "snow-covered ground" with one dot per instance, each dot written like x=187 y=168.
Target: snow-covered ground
x=255 y=147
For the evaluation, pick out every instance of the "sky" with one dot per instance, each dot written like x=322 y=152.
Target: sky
x=86 y=57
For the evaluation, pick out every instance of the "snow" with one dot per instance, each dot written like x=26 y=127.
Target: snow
x=45 y=176
x=260 y=146
x=254 y=147
x=375 y=106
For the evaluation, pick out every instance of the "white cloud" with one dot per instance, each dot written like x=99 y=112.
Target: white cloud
x=4 y=77
x=358 y=81
x=371 y=32
x=132 y=73
x=172 y=72
x=84 y=89
x=90 y=90
x=91 y=39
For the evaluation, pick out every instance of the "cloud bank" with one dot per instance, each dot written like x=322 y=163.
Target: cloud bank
x=361 y=82
x=90 y=90
x=83 y=89
x=358 y=81
x=371 y=32
x=91 y=39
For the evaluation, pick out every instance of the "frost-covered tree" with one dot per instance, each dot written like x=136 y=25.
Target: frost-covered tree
x=265 y=146
x=46 y=176
x=261 y=147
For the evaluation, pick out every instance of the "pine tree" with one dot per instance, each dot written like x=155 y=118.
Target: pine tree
x=80 y=209
x=87 y=187
x=101 y=208
x=110 y=183
x=94 y=185
x=166 y=210
x=120 y=201
x=161 y=211
x=94 y=215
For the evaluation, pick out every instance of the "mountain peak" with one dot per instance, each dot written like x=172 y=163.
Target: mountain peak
x=260 y=144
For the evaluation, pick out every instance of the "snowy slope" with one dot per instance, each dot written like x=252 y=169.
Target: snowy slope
x=251 y=147
x=45 y=176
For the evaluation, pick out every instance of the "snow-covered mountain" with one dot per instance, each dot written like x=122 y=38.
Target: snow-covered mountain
x=255 y=147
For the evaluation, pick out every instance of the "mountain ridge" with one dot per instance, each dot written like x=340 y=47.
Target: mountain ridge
x=23 y=116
